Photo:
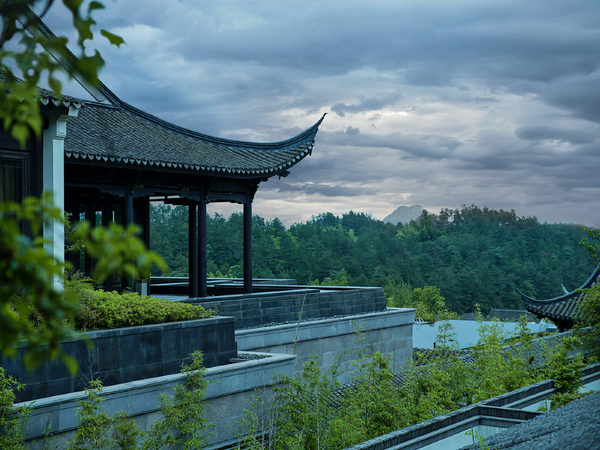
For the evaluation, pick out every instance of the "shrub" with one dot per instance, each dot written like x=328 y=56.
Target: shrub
x=566 y=371
x=106 y=310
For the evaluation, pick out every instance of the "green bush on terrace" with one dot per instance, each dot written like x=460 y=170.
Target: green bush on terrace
x=106 y=310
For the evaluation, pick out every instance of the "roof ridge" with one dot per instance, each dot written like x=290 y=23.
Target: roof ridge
x=101 y=90
x=300 y=138
x=564 y=297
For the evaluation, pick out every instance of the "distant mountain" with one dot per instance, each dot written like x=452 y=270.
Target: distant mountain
x=404 y=214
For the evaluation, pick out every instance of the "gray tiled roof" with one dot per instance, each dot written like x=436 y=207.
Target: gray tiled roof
x=574 y=426
x=119 y=134
x=47 y=97
x=122 y=134
x=559 y=308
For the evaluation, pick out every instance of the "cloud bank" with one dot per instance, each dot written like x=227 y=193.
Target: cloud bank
x=431 y=102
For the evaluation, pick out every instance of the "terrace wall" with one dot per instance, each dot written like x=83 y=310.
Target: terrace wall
x=388 y=332
x=230 y=392
x=127 y=354
x=306 y=302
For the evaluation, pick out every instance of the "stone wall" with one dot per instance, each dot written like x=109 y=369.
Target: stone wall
x=127 y=354
x=230 y=392
x=388 y=332
x=235 y=385
x=307 y=302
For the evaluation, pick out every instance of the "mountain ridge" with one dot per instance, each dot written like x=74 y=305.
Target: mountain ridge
x=404 y=214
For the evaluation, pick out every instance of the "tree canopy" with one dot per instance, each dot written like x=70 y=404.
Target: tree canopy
x=473 y=255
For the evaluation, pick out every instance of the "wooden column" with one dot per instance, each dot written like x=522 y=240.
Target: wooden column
x=91 y=262
x=107 y=216
x=128 y=281
x=192 y=250
x=142 y=206
x=202 y=265
x=128 y=213
x=248 y=247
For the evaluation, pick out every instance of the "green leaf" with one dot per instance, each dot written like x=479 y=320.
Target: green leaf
x=95 y=5
x=55 y=85
x=20 y=132
x=71 y=363
x=113 y=38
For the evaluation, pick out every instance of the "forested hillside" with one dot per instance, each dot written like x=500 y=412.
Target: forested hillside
x=474 y=255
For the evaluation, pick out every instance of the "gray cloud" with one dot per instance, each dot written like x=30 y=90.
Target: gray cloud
x=433 y=103
x=412 y=146
x=367 y=105
x=545 y=133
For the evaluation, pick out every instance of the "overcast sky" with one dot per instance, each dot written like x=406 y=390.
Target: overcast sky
x=436 y=103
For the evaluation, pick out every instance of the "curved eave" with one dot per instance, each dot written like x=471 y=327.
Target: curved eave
x=307 y=135
x=565 y=297
x=303 y=151
x=565 y=312
x=115 y=136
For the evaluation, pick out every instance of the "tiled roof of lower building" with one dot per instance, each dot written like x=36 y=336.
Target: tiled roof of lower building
x=573 y=426
x=563 y=308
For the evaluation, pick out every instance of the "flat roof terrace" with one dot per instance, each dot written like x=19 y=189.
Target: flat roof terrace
x=273 y=302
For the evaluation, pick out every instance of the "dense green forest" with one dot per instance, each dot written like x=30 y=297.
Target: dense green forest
x=473 y=255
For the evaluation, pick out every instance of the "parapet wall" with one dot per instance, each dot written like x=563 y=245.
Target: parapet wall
x=230 y=392
x=127 y=354
x=303 y=302
x=235 y=385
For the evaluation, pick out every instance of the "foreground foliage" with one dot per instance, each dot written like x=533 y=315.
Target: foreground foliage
x=311 y=411
x=588 y=315
x=28 y=271
x=33 y=304
x=182 y=424
x=12 y=419
x=23 y=64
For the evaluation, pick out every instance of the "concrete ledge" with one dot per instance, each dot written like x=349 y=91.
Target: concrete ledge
x=233 y=383
x=286 y=334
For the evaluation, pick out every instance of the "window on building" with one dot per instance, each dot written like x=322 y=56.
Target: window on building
x=14 y=169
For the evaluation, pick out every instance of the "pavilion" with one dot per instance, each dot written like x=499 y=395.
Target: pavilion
x=118 y=159
x=106 y=156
